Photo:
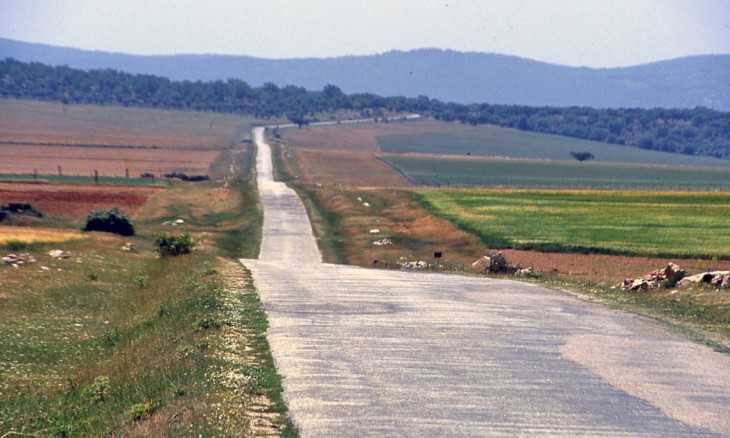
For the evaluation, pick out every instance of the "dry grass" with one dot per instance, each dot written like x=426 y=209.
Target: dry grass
x=36 y=235
x=347 y=168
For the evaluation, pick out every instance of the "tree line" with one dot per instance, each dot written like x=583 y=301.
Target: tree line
x=698 y=131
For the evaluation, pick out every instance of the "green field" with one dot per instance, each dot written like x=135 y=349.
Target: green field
x=620 y=222
x=463 y=171
x=505 y=142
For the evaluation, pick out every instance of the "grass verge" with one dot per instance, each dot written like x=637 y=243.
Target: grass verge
x=123 y=343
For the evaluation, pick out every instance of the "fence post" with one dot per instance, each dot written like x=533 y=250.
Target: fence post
x=96 y=176
x=126 y=173
x=60 y=171
x=35 y=174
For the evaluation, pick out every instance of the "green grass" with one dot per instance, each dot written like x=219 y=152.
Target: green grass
x=556 y=174
x=620 y=222
x=77 y=179
x=506 y=142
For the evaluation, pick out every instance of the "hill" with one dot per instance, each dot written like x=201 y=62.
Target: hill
x=442 y=74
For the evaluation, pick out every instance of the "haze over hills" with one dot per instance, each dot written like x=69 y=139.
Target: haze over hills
x=443 y=74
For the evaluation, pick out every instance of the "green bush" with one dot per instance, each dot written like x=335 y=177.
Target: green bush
x=174 y=245
x=110 y=221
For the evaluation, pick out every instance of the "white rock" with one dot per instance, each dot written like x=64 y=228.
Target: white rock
x=366 y=204
x=58 y=254
x=179 y=222
x=375 y=231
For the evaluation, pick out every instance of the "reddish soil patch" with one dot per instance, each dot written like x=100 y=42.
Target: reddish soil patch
x=75 y=201
x=604 y=268
x=108 y=161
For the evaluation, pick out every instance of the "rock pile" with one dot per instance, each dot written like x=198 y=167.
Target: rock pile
x=720 y=279
x=665 y=277
x=415 y=265
x=16 y=260
x=494 y=262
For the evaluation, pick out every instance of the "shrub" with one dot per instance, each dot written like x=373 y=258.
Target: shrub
x=174 y=245
x=140 y=411
x=110 y=221
x=99 y=390
x=582 y=156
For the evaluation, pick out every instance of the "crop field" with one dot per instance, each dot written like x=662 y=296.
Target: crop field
x=80 y=139
x=32 y=122
x=621 y=222
x=480 y=171
x=108 y=160
x=512 y=143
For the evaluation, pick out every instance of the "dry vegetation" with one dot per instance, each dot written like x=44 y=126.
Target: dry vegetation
x=113 y=342
x=36 y=235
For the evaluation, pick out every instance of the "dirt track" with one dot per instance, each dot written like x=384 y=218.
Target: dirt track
x=379 y=353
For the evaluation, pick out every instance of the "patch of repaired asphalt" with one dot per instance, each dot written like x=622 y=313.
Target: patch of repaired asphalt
x=381 y=353
x=692 y=384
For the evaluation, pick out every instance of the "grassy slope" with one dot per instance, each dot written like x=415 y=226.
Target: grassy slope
x=539 y=173
x=642 y=223
x=119 y=335
x=505 y=142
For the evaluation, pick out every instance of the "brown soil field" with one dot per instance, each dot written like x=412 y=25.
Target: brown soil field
x=74 y=202
x=360 y=138
x=108 y=161
x=32 y=122
x=346 y=167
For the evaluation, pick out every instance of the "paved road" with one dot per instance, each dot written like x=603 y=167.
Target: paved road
x=377 y=353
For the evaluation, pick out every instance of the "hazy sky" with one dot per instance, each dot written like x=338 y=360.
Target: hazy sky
x=574 y=32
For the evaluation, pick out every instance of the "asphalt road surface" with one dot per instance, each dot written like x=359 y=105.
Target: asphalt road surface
x=370 y=352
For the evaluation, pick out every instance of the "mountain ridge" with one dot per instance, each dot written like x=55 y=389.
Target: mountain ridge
x=449 y=75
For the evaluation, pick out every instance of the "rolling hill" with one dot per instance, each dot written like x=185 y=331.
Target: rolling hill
x=443 y=74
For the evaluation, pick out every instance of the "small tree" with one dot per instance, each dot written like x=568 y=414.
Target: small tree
x=110 y=221
x=582 y=156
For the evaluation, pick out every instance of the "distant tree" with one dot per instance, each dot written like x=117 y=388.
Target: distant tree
x=582 y=156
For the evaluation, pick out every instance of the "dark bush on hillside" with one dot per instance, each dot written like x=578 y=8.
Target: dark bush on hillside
x=582 y=156
x=168 y=245
x=110 y=221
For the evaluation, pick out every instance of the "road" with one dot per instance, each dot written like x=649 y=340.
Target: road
x=369 y=352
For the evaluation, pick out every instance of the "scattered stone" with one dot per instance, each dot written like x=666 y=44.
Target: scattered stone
x=359 y=199
x=179 y=222
x=58 y=254
x=16 y=260
x=375 y=231
x=407 y=265
x=45 y=268
x=669 y=276
x=383 y=242
x=494 y=262
x=527 y=272
x=129 y=246
x=366 y=204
